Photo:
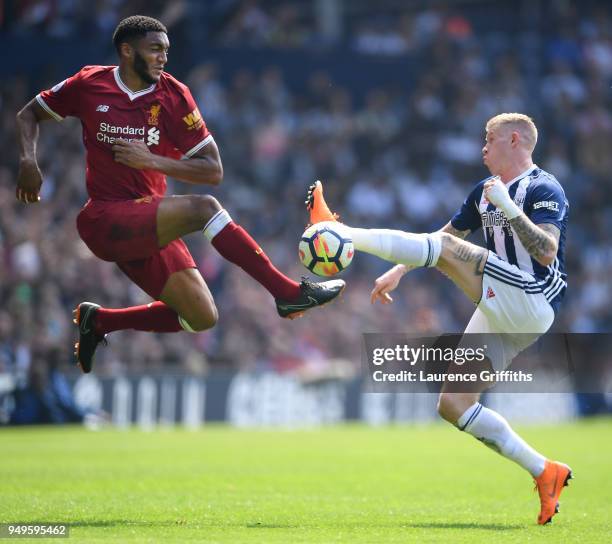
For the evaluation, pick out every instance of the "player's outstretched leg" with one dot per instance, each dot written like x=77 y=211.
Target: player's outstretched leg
x=391 y=245
x=237 y=246
x=178 y=216
x=461 y=261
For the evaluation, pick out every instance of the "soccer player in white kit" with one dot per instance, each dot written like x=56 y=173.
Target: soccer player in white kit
x=517 y=283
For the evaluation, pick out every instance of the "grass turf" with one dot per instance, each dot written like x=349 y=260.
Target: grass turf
x=342 y=484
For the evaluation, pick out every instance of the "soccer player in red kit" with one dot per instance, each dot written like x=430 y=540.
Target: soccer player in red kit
x=139 y=125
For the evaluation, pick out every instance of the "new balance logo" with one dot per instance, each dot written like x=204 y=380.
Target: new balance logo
x=103 y=108
x=153 y=136
x=490 y=293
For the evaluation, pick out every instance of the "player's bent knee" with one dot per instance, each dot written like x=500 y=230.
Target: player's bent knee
x=202 y=320
x=445 y=239
x=204 y=207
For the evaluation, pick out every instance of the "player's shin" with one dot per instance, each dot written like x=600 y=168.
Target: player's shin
x=153 y=317
x=237 y=246
x=398 y=246
x=494 y=431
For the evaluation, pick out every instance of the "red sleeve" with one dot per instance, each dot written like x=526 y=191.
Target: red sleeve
x=188 y=130
x=62 y=99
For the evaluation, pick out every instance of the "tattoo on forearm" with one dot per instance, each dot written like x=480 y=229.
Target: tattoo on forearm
x=539 y=240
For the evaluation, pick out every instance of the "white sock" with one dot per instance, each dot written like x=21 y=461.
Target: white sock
x=398 y=246
x=216 y=224
x=494 y=431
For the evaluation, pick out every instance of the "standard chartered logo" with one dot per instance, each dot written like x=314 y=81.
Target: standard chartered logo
x=109 y=134
x=153 y=136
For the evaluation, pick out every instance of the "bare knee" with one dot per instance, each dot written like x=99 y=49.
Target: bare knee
x=202 y=318
x=446 y=239
x=203 y=207
x=447 y=243
x=188 y=295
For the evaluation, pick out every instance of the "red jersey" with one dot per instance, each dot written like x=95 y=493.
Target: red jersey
x=164 y=116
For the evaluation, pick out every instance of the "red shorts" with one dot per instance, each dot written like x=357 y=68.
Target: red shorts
x=125 y=232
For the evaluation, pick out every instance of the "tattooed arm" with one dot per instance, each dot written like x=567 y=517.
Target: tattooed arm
x=540 y=241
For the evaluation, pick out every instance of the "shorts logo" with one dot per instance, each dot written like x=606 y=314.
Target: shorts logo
x=550 y=204
x=193 y=120
x=490 y=293
x=153 y=136
x=154 y=114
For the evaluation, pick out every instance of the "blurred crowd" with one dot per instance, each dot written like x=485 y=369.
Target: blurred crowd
x=400 y=157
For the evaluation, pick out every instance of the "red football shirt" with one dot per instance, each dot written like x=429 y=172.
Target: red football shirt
x=164 y=116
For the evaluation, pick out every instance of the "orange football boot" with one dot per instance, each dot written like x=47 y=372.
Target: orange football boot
x=549 y=485
x=316 y=205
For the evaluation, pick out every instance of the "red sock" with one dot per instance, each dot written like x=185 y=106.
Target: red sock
x=153 y=317
x=236 y=245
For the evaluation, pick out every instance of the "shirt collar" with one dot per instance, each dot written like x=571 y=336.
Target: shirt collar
x=131 y=94
x=522 y=174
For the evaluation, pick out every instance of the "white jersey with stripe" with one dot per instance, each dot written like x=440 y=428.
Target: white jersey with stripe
x=540 y=196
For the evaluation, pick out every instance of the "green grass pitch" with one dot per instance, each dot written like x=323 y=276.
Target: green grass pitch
x=342 y=484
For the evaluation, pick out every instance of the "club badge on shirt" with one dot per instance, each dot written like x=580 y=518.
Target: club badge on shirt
x=154 y=114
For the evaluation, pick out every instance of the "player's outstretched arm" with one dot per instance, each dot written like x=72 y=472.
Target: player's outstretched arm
x=540 y=241
x=202 y=168
x=29 y=177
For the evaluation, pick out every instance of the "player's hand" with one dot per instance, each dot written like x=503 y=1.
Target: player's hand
x=134 y=154
x=29 y=181
x=496 y=193
x=387 y=283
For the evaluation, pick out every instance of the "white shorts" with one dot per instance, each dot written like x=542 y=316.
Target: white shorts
x=511 y=311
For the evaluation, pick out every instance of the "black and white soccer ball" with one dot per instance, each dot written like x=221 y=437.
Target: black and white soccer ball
x=326 y=248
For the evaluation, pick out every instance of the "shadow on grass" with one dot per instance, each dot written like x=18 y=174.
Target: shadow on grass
x=260 y=525
x=431 y=525
x=125 y=523
x=481 y=526
x=271 y=526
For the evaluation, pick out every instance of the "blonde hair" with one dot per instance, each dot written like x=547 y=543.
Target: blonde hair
x=519 y=122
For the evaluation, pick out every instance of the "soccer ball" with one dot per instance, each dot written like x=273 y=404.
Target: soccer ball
x=326 y=248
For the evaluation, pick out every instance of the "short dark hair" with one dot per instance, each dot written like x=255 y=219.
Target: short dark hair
x=136 y=26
